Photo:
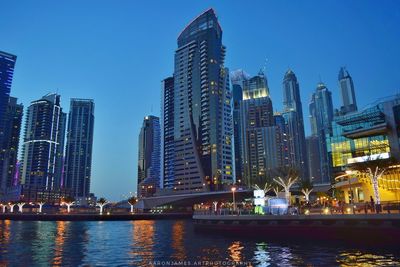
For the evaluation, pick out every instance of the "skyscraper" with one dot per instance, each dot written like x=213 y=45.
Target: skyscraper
x=293 y=114
x=202 y=108
x=42 y=156
x=238 y=77
x=348 y=96
x=314 y=158
x=149 y=157
x=167 y=133
x=321 y=115
x=280 y=123
x=261 y=139
x=78 y=154
x=7 y=64
x=9 y=153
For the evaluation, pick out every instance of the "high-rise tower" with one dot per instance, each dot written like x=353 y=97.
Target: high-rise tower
x=238 y=78
x=42 y=156
x=346 y=86
x=149 y=157
x=261 y=139
x=321 y=115
x=202 y=108
x=167 y=133
x=7 y=64
x=293 y=114
x=78 y=154
x=9 y=153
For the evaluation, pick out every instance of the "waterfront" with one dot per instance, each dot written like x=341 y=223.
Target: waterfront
x=140 y=243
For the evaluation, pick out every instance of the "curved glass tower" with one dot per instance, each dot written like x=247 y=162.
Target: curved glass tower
x=202 y=108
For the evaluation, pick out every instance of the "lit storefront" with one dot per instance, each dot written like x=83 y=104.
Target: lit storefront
x=370 y=134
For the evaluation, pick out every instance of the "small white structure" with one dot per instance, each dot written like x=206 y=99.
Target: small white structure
x=259 y=201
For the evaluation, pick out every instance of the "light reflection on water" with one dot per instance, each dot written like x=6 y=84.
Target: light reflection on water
x=148 y=243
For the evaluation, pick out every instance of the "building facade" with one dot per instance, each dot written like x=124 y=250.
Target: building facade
x=261 y=139
x=167 y=133
x=78 y=153
x=7 y=64
x=293 y=114
x=149 y=160
x=347 y=93
x=238 y=78
x=202 y=108
x=9 y=154
x=321 y=116
x=369 y=134
x=314 y=158
x=43 y=146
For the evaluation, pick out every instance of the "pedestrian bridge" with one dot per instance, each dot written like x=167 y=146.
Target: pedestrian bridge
x=189 y=199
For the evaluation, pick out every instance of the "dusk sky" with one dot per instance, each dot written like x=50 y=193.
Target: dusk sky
x=117 y=52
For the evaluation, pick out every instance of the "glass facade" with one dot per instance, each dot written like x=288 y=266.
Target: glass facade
x=261 y=138
x=293 y=114
x=7 y=64
x=347 y=93
x=78 y=156
x=12 y=128
x=359 y=135
x=202 y=108
x=167 y=133
x=43 y=147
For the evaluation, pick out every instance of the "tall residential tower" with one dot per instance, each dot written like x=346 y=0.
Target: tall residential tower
x=149 y=157
x=78 y=155
x=261 y=139
x=42 y=156
x=9 y=154
x=202 y=108
x=293 y=114
x=321 y=116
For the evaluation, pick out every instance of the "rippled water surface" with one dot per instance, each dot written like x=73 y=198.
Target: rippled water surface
x=167 y=243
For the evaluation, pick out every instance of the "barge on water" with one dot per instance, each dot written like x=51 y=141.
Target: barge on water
x=359 y=227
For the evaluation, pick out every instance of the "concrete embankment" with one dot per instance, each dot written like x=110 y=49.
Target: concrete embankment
x=92 y=217
x=372 y=227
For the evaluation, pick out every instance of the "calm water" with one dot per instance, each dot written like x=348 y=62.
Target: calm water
x=166 y=243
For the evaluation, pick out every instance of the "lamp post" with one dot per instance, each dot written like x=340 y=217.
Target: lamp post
x=349 y=172
x=233 y=189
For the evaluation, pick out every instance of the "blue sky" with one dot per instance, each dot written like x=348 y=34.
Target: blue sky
x=117 y=52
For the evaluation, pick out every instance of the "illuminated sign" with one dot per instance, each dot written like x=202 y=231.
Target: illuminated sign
x=368 y=158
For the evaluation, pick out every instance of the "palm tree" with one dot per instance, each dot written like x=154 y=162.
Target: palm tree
x=373 y=169
x=12 y=205
x=21 y=206
x=101 y=203
x=41 y=204
x=306 y=188
x=68 y=201
x=4 y=207
x=277 y=188
x=286 y=177
x=132 y=201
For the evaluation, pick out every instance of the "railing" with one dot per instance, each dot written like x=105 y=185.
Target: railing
x=356 y=208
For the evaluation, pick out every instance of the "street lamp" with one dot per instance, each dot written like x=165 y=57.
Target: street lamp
x=349 y=173
x=233 y=189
